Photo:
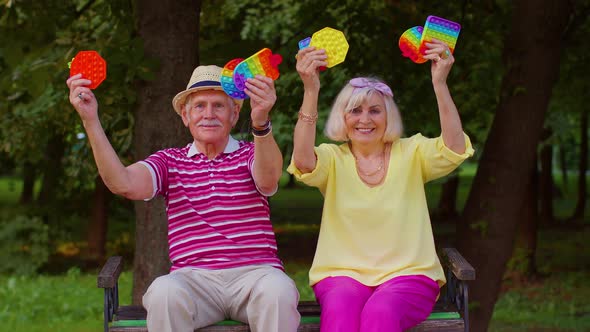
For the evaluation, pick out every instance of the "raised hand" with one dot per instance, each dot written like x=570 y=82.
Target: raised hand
x=309 y=61
x=82 y=98
x=442 y=60
x=261 y=90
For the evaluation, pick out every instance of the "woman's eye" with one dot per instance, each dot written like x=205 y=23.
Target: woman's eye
x=375 y=111
x=355 y=111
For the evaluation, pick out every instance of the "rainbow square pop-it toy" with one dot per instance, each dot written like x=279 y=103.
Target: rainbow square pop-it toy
x=91 y=65
x=262 y=63
x=441 y=29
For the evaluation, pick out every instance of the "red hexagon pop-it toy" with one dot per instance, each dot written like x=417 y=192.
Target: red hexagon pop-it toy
x=91 y=65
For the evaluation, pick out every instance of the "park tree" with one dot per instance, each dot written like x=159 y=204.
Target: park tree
x=170 y=32
x=491 y=216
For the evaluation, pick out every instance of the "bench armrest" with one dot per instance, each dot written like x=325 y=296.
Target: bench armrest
x=458 y=265
x=109 y=274
x=108 y=278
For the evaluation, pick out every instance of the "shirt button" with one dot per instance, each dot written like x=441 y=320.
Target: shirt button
x=212 y=187
x=210 y=174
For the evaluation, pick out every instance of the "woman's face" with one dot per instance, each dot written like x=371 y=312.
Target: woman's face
x=366 y=123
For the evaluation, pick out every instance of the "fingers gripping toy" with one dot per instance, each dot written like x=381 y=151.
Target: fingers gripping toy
x=331 y=40
x=262 y=63
x=91 y=65
x=412 y=41
x=409 y=44
x=303 y=43
x=227 y=80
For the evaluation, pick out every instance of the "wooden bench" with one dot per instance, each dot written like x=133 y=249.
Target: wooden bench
x=449 y=315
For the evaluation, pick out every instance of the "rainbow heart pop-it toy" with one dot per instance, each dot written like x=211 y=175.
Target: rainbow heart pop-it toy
x=409 y=44
x=262 y=63
x=334 y=42
x=227 y=80
x=91 y=65
x=441 y=29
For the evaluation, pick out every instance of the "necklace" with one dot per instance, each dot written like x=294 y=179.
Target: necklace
x=379 y=168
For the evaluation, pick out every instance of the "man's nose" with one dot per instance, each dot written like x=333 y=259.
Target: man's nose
x=209 y=112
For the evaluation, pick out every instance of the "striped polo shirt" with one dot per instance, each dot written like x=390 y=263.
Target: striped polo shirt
x=217 y=218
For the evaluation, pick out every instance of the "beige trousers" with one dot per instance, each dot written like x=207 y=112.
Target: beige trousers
x=264 y=297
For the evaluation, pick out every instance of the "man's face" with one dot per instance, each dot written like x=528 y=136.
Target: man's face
x=210 y=115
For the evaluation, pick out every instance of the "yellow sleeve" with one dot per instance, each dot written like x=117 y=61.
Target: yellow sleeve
x=319 y=176
x=436 y=159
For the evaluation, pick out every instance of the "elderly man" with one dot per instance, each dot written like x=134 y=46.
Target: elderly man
x=222 y=246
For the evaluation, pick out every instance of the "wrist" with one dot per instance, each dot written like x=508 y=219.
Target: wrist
x=262 y=131
x=259 y=125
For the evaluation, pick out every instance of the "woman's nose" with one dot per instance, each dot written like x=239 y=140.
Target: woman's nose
x=365 y=116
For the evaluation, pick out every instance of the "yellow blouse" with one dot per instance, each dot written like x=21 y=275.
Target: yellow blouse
x=373 y=234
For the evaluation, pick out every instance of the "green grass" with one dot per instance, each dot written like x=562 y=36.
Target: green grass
x=69 y=302
x=560 y=299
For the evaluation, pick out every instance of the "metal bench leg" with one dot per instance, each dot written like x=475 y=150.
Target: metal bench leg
x=111 y=303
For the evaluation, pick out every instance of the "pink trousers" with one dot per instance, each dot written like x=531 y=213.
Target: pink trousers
x=396 y=305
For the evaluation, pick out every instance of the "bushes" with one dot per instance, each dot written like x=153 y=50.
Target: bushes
x=24 y=245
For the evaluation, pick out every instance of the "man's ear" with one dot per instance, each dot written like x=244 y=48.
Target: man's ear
x=184 y=113
x=236 y=114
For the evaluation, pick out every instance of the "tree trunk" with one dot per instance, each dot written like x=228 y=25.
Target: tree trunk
x=170 y=30
x=487 y=231
x=447 y=205
x=547 y=187
x=29 y=174
x=526 y=243
x=582 y=168
x=97 y=229
x=53 y=167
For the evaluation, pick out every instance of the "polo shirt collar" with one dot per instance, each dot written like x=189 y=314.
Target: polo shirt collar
x=232 y=145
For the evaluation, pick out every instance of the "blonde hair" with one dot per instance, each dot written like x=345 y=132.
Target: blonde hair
x=350 y=98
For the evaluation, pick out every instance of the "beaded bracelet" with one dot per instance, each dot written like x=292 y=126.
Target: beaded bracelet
x=308 y=118
x=264 y=131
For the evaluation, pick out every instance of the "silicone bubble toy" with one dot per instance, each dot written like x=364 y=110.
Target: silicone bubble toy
x=334 y=42
x=227 y=80
x=409 y=44
x=441 y=29
x=91 y=65
x=262 y=63
x=303 y=43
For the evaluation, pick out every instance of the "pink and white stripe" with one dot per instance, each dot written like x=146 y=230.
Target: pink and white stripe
x=217 y=219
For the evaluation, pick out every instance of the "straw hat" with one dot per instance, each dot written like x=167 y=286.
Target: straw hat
x=203 y=78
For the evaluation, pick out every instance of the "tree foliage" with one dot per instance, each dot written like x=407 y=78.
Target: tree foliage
x=37 y=40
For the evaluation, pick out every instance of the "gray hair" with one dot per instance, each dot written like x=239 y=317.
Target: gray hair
x=350 y=98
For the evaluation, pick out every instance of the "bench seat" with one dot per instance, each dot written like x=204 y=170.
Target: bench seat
x=449 y=315
x=132 y=319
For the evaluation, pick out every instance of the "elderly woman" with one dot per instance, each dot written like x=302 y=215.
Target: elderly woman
x=375 y=267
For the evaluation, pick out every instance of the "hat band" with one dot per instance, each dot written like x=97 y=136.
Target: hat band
x=204 y=83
